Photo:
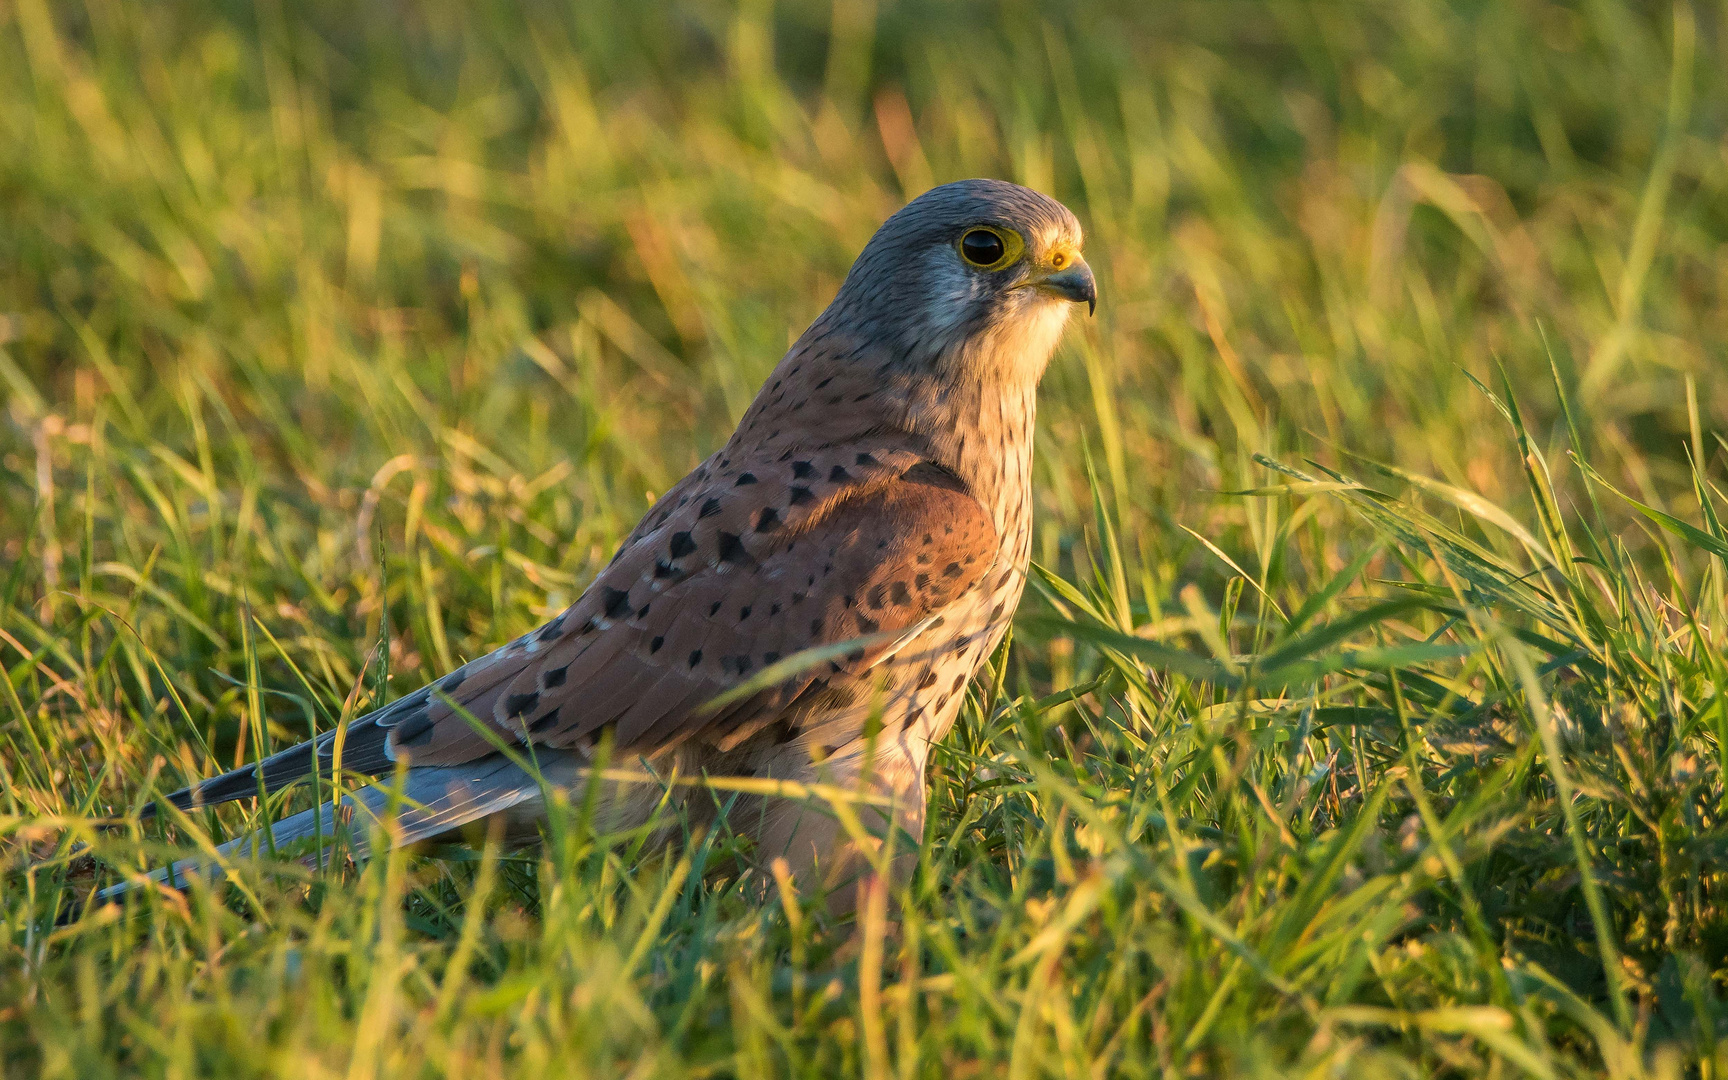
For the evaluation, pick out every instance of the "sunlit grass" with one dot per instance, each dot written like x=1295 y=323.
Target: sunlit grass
x=1366 y=717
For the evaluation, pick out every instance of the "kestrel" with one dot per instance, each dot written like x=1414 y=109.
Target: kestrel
x=862 y=538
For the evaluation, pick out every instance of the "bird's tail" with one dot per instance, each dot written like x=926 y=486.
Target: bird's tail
x=434 y=800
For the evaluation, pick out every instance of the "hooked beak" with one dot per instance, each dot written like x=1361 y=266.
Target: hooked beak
x=1072 y=282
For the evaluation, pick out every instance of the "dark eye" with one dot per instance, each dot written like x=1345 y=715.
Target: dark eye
x=981 y=247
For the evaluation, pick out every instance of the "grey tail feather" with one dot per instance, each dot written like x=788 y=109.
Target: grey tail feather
x=367 y=753
x=278 y=769
x=366 y=756
x=435 y=800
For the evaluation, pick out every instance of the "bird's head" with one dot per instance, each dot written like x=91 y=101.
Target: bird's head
x=977 y=275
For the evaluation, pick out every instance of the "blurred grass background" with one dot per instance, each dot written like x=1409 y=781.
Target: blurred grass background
x=339 y=343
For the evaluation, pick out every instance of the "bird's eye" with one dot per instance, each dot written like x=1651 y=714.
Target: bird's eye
x=983 y=248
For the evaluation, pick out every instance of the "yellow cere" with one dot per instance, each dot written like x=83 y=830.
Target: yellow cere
x=1061 y=256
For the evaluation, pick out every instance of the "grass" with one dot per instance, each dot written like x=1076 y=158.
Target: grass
x=1369 y=717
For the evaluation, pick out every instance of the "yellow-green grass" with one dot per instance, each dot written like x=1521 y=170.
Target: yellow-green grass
x=1354 y=727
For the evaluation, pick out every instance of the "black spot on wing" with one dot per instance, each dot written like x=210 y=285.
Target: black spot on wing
x=732 y=549
x=416 y=730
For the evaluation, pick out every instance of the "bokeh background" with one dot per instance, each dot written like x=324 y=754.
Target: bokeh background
x=372 y=327
x=290 y=243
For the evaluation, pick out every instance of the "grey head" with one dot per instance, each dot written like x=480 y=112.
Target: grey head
x=971 y=261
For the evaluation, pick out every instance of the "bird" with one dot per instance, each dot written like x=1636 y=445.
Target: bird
x=808 y=605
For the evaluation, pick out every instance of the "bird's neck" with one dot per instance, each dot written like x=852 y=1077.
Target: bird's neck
x=983 y=433
x=976 y=405
x=973 y=412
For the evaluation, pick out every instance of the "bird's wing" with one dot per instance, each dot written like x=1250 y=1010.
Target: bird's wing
x=745 y=563
x=431 y=802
